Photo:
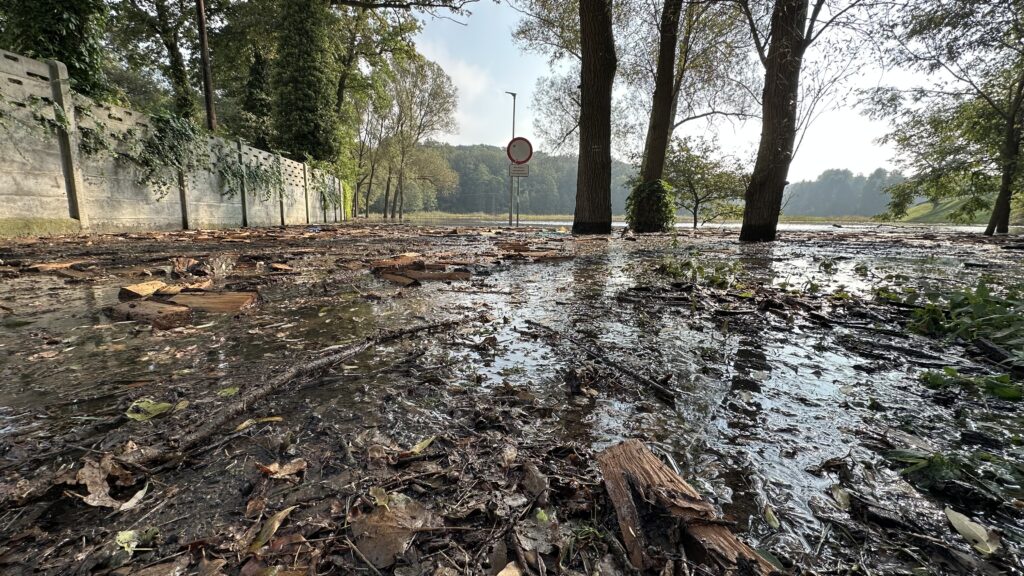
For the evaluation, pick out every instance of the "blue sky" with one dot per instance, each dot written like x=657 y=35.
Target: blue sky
x=483 y=62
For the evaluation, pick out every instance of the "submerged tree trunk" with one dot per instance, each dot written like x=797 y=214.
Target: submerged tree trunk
x=594 y=173
x=778 y=127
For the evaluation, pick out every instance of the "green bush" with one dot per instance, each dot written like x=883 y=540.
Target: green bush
x=649 y=207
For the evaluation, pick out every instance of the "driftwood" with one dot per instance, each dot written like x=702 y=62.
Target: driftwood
x=646 y=491
x=661 y=391
x=27 y=490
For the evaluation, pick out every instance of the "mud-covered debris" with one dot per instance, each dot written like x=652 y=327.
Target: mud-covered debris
x=384 y=534
x=146 y=409
x=140 y=290
x=53 y=266
x=217 y=302
x=289 y=471
x=444 y=276
x=281 y=267
x=160 y=315
x=401 y=280
x=253 y=421
x=197 y=286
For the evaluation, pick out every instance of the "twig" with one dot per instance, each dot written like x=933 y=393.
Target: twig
x=356 y=551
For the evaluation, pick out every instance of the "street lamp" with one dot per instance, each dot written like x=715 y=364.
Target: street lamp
x=511 y=179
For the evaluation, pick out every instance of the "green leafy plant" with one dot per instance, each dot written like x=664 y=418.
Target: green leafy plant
x=649 y=207
x=172 y=145
x=999 y=386
x=260 y=179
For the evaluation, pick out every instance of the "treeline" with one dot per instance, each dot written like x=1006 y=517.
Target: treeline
x=841 y=193
x=481 y=184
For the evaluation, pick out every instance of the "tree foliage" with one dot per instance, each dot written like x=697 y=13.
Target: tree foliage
x=707 y=184
x=960 y=132
x=70 y=31
x=842 y=193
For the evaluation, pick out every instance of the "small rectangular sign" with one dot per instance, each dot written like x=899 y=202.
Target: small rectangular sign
x=519 y=170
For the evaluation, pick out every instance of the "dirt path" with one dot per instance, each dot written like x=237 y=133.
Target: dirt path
x=770 y=377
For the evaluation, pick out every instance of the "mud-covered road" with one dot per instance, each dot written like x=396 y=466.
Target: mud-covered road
x=780 y=380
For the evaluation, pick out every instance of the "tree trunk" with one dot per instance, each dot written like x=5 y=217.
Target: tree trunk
x=999 y=223
x=593 y=213
x=778 y=125
x=660 y=125
x=177 y=73
x=369 y=189
x=696 y=208
x=387 y=194
x=394 y=197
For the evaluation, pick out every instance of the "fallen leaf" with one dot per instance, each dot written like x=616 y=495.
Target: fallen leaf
x=386 y=533
x=127 y=539
x=511 y=569
x=270 y=528
x=421 y=446
x=841 y=496
x=211 y=567
x=135 y=500
x=770 y=517
x=229 y=391
x=254 y=421
x=285 y=471
x=145 y=409
x=984 y=540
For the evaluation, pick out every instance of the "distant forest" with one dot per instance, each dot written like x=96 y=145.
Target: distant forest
x=482 y=184
x=841 y=193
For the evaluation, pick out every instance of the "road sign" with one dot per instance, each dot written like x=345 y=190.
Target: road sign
x=519 y=170
x=519 y=150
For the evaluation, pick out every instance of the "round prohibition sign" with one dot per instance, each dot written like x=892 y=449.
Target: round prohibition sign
x=519 y=150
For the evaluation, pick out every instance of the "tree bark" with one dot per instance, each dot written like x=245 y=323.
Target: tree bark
x=593 y=214
x=778 y=127
x=659 y=128
x=177 y=72
x=387 y=194
x=999 y=222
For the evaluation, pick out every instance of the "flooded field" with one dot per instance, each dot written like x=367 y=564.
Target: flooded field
x=780 y=380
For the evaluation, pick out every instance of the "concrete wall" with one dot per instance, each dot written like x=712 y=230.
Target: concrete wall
x=49 y=173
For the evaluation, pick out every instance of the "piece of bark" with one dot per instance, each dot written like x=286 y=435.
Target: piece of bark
x=51 y=266
x=408 y=260
x=400 y=280
x=280 y=267
x=421 y=275
x=197 y=286
x=160 y=315
x=140 y=290
x=217 y=302
x=636 y=481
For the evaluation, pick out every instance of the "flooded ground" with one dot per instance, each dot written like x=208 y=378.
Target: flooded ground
x=772 y=377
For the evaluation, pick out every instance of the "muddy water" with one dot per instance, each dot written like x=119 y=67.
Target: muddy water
x=763 y=399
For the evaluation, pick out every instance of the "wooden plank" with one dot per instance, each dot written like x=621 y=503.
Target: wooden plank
x=636 y=480
x=449 y=276
x=160 y=315
x=197 y=286
x=400 y=280
x=217 y=302
x=51 y=266
x=140 y=290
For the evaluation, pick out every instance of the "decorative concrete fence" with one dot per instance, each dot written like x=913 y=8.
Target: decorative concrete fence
x=68 y=163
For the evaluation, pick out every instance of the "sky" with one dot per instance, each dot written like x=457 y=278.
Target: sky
x=479 y=55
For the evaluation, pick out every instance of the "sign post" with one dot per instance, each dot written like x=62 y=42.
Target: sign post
x=519 y=151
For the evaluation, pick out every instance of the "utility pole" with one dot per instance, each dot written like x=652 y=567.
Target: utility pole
x=511 y=179
x=204 y=57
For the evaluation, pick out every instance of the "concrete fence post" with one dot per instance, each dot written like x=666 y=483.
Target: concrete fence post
x=60 y=87
x=280 y=196
x=242 y=186
x=305 y=188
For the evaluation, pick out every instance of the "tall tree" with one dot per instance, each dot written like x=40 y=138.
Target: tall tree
x=305 y=79
x=258 y=104
x=158 y=34
x=972 y=109
x=593 y=213
x=707 y=184
x=793 y=26
x=650 y=198
x=70 y=31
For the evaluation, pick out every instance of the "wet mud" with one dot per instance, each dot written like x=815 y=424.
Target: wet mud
x=774 y=378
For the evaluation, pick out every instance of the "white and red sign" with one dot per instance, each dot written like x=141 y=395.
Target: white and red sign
x=519 y=150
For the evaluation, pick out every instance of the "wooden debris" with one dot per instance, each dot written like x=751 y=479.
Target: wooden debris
x=141 y=290
x=407 y=260
x=281 y=267
x=197 y=286
x=423 y=275
x=160 y=315
x=399 y=279
x=51 y=266
x=217 y=302
x=646 y=494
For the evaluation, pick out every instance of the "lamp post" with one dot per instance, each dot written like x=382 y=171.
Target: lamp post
x=511 y=179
